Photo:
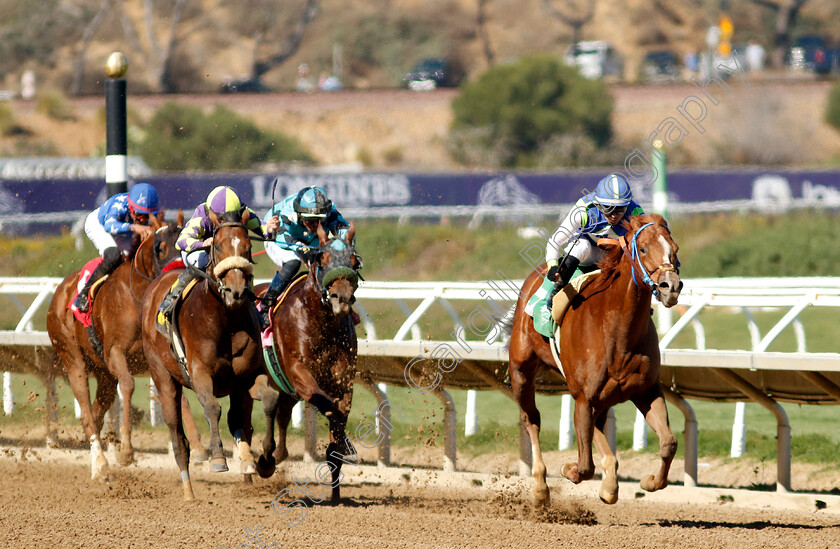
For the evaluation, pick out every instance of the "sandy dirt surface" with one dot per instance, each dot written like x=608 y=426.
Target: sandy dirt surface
x=48 y=500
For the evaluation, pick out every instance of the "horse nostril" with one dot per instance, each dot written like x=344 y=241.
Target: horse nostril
x=664 y=285
x=680 y=287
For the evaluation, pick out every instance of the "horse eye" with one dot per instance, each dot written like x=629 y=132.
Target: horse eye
x=643 y=250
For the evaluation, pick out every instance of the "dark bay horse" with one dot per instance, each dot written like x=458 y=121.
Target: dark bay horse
x=115 y=315
x=609 y=352
x=316 y=348
x=220 y=333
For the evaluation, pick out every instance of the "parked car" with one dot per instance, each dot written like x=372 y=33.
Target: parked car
x=594 y=59
x=438 y=72
x=244 y=86
x=658 y=66
x=807 y=53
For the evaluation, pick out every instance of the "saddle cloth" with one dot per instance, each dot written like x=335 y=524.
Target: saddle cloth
x=545 y=321
x=266 y=336
x=163 y=322
x=84 y=275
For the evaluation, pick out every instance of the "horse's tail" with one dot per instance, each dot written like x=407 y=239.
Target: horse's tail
x=504 y=324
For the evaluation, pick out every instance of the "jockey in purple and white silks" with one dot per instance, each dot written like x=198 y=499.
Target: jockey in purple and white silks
x=596 y=215
x=298 y=216
x=222 y=204
x=112 y=227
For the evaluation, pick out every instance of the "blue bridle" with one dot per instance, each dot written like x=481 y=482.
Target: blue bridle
x=636 y=258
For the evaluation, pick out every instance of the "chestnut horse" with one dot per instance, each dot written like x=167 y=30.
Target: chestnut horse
x=316 y=346
x=115 y=316
x=220 y=335
x=609 y=352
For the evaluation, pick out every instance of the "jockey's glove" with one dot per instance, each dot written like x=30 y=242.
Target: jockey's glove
x=553 y=270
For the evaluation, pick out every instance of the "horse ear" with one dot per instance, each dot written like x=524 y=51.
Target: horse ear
x=245 y=215
x=180 y=219
x=156 y=221
x=351 y=232
x=608 y=244
x=322 y=235
x=214 y=219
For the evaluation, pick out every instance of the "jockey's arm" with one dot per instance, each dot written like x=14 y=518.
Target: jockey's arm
x=574 y=221
x=115 y=217
x=192 y=236
x=338 y=225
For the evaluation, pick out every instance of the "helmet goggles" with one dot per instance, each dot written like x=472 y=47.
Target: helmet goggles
x=612 y=210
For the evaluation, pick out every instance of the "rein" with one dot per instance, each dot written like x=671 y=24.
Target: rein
x=156 y=266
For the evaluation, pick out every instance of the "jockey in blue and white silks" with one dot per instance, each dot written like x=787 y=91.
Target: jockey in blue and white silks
x=299 y=215
x=596 y=215
x=112 y=227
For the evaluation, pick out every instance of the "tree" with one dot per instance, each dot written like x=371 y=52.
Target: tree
x=514 y=110
x=786 y=14
x=578 y=16
x=286 y=48
x=481 y=23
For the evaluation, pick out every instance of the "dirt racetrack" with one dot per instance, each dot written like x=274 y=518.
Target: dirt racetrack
x=48 y=500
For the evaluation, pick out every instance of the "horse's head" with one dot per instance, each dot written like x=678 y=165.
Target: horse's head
x=338 y=264
x=231 y=265
x=165 y=236
x=653 y=255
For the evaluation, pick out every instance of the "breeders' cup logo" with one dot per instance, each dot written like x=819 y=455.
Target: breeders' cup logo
x=506 y=191
x=362 y=190
x=9 y=202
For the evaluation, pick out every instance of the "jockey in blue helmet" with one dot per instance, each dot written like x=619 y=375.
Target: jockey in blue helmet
x=222 y=204
x=299 y=215
x=596 y=215
x=112 y=227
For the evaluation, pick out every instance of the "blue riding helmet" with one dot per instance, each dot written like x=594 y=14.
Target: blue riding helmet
x=312 y=202
x=613 y=192
x=143 y=199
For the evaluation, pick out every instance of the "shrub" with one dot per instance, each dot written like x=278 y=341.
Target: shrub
x=7 y=119
x=832 y=108
x=181 y=137
x=53 y=104
x=514 y=110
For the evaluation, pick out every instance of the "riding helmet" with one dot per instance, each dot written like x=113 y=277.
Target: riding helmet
x=222 y=200
x=143 y=199
x=312 y=202
x=613 y=190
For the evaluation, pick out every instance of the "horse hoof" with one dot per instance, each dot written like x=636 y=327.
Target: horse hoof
x=218 y=465
x=199 y=456
x=266 y=466
x=608 y=497
x=648 y=484
x=125 y=458
x=542 y=496
x=571 y=473
x=247 y=468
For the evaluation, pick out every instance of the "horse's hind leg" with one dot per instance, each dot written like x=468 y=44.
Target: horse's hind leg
x=203 y=387
x=170 y=394
x=283 y=417
x=198 y=452
x=125 y=455
x=106 y=392
x=609 y=462
x=584 y=469
x=78 y=378
x=266 y=464
x=652 y=405
x=522 y=384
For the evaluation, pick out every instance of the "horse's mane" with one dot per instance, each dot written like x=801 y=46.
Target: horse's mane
x=613 y=255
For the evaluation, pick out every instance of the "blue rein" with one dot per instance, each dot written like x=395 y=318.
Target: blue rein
x=635 y=257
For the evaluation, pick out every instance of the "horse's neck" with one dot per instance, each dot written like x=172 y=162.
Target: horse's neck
x=143 y=261
x=634 y=299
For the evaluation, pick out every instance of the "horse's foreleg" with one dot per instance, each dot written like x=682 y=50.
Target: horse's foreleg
x=198 y=453
x=170 y=394
x=584 y=469
x=283 y=417
x=239 y=422
x=203 y=386
x=656 y=414
x=523 y=391
x=609 y=462
x=125 y=455
x=106 y=392
x=336 y=449
x=266 y=464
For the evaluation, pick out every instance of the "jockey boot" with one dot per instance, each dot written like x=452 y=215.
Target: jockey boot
x=168 y=303
x=111 y=259
x=275 y=289
x=567 y=269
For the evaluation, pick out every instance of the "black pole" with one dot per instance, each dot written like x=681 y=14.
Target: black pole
x=116 y=160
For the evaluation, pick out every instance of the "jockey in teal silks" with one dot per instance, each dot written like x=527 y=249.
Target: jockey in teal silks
x=596 y=215
x=299 y=215
x=112 y=227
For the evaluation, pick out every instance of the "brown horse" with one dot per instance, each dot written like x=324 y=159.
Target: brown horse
x=609 y=352
x=316 y=348
x=220 y=334
x=115 y=315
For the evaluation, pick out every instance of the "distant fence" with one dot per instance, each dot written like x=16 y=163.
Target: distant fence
x=405 y=357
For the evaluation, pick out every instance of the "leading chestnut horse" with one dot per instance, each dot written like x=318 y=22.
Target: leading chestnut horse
x=316 y=348
x=609 y=352
x=115 y=317
x=220 y=335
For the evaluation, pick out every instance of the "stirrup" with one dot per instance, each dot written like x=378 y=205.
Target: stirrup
x=82 y=302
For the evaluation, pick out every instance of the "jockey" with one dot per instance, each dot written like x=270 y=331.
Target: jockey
x=112 y=227
x=297 y=237
x=596 y=215
x=222 y=205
